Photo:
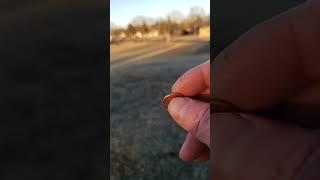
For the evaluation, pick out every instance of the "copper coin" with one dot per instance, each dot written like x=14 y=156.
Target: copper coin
x=166 y=100
x=217 y=104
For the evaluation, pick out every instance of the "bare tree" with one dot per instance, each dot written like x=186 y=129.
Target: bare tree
x=145 y=28
x=196 y=11
x=140 y=20
x=131 y=30
x=175 y=16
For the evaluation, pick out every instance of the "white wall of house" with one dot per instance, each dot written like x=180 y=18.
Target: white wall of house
x=122 y=35
x=138 y=34
x=204 y=32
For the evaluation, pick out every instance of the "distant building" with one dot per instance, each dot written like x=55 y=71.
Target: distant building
x=122 y=35
x=152 y=34
x=118 y=35
x=204 y=32
x=138 y=35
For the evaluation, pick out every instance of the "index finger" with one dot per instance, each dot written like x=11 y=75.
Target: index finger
x=194 y=81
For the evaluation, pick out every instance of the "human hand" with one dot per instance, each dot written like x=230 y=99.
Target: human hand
x=193 y=115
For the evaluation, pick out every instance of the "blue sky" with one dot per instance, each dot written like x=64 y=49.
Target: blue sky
x=123 y=11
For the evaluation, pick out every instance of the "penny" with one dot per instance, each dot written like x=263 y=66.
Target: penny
x=217 y=105
x=167 y=99
x=288 y=113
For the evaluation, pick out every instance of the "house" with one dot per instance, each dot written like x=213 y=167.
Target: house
x=204 y=32
x=152 y=34
x=138 y=35
x=118 y=35
x=122 y=35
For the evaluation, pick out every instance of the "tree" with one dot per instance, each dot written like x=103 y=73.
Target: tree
x=167 y=26
x=197 y=11
x=140 y=20
x=197 y=23
x=145 y=28
x=131 y=30
x=175 y=16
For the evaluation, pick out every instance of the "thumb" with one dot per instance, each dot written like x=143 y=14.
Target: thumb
x=192 y=115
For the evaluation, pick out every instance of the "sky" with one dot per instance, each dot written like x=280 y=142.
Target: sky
x=123 y=11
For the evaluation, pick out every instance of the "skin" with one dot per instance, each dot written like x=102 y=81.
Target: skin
x=277 y=61
x=187 y=112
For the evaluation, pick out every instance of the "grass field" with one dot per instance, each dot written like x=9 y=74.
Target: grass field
x=144 y=140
